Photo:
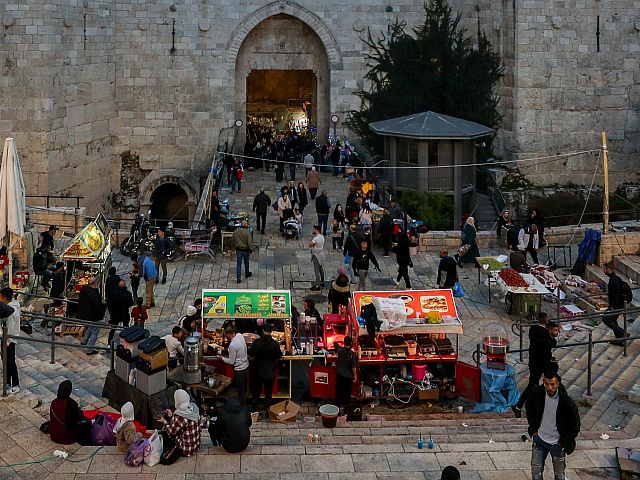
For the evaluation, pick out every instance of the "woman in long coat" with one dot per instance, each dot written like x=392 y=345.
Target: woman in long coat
x=469 y=235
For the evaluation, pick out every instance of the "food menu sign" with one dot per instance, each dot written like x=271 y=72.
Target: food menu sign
x=419 y=302
x=246 y=303
x=87 y=245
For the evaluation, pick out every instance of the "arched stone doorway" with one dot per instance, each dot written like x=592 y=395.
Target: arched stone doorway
x=169 y=202
x=282 y=63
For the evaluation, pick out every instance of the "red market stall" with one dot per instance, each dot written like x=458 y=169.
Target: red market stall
x=413 y=353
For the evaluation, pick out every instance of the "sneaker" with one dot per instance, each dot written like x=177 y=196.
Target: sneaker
x=247 y=275
x=315 y=288
x=164 y=280
x=322 y=285
x=13 y=390
x=396 y=282
x=239 y=281
x=157 y=281
x=517 y=411
x=386 y=255
x=353 y=282
x=93 y=352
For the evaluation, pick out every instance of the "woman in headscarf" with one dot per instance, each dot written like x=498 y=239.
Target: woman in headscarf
x=182 y=426
x=469 y=235
x=339 y=293
x=504 y=222
x=65 y=427
x=125 y=429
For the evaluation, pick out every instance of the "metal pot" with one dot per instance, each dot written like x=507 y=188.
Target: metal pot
x=191 y=355
x=495 y=345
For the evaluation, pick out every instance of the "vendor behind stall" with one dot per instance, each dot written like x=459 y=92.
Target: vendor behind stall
x=173 y=342
x=518 y=260
x=265 y=352
x=238 y=358
x=345 y=372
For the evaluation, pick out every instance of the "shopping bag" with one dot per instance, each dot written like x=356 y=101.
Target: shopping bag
x=153 y=449
x=457 y=290
x=102 y=431
x=135 y=454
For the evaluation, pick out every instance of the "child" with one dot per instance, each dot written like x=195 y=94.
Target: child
x=134 y=276
x=299 y=216
x=125 y=429
x=139 y=313
x=337 y=235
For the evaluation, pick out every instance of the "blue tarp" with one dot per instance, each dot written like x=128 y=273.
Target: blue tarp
x=589 y=245
x=499 y=390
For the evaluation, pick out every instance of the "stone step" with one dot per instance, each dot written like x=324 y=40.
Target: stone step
x=595 y=273
x=629 y=268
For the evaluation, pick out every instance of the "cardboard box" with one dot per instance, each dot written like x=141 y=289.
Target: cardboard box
x=286 y=411
x=432 y=394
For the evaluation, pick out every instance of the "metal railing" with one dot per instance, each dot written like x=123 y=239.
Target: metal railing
x=52 y=342
x=589 y=343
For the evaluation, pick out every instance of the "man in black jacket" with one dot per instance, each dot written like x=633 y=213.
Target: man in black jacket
x=385 y=229
x=449 y=267
x=120 y=302
x=214 y=208
x=323 y=208
x=616 y=302
x=231 y=429
x=261 y=205
x=265 y=352
x=90 y=308
x=57 y=291
x=110 y=285
x=162 y=247
x=554 y=424
x=351 y=249
x=542 y=339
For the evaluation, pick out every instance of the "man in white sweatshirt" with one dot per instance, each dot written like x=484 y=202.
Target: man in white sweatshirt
x=173 y=342
x=238 y=358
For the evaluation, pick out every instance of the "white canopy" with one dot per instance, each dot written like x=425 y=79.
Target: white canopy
x=12 y=194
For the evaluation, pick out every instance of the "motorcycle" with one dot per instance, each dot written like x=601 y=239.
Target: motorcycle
x=141 y=236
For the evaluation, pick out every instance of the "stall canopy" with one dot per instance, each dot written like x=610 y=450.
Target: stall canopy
x=225 y=304
x=12 y=197
x=421 y=308
x=91 y=242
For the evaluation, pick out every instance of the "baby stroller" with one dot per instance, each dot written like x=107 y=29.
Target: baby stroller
x=290 y=226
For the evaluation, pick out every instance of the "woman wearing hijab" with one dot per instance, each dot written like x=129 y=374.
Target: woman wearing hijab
x=339 y=293
x=469 y=235
x=125 y=429
x=65 y=426
x=182 y=426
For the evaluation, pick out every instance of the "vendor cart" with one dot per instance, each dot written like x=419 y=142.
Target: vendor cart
x=489 y=267
x=88 y=255
x=523 y=293
x=411 y=358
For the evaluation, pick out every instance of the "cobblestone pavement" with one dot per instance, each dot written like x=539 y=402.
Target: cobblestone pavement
x=275 y=264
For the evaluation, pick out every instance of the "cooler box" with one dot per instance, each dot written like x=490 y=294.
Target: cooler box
x=123 y=368
x=150 y=384
x=322 y=380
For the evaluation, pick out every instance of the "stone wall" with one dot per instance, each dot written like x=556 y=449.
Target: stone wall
x=82 y=81
x=617 y=243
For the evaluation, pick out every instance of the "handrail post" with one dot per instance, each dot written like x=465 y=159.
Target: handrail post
x=53 y=346
x=589 y=357
x=478 y=355
x=558 y=303
x=625 y=326
x=112 y=351
x=5 y=372
x=520 y=338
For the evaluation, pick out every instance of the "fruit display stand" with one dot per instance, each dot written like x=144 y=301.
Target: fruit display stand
x=489 y=267
x=88 y=255
x=523 y=292
x=416 y=359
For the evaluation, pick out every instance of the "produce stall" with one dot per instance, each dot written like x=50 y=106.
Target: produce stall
x=523 y=292
x=490 y=266
x=250 y=309
x=88 y=255
x=413 y=352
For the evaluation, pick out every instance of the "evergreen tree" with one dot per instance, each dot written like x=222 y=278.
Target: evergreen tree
x=437 y=68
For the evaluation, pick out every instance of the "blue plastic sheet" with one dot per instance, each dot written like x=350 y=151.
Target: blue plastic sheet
x=498 y=388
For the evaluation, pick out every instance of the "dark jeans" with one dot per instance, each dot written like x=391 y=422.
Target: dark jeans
x=242 y=256
x=115 y=323
x=533 y=253
x=539 y=451
x=257 y=386
x=385 y=238
x=534 y=379
x=161 y=262
x=403 y=272
x=313 y=192
x=611 y=321
x=292 y=171
x=337 y=242
x=12 y=368
x=240 y=378
x=323 y=218
x=261 y=218
x=343 y=390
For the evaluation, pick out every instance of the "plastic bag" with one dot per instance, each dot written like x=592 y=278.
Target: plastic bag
x=135 y=454
x=153 y=449
x=391 y=311
x=457 y=290
x=102 y=431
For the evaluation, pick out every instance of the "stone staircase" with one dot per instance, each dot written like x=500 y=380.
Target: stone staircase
x=485 y=214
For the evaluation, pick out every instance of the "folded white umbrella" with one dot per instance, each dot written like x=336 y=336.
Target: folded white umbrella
x=12 y=198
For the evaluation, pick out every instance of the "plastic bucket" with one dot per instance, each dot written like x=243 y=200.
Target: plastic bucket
x=419 y=372
x=329 y=414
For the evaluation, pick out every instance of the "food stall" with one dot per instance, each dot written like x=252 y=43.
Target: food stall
x=523 y=292
x=250 y=309
x=88 y=255
x=414 y=352
x=489 y=268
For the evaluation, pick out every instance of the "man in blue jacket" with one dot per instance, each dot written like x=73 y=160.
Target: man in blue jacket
x=147 y=271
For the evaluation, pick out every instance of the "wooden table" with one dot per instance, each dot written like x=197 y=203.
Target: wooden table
x=201 y=392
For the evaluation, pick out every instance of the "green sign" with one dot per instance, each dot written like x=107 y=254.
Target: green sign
x=246 y=304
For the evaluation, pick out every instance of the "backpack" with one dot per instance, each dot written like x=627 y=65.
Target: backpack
x=625 y=292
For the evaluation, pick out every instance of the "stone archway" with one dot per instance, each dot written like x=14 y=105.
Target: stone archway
x=156 y=179
x=284 y=42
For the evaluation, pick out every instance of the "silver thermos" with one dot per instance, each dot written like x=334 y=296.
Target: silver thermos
x=192 y=351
